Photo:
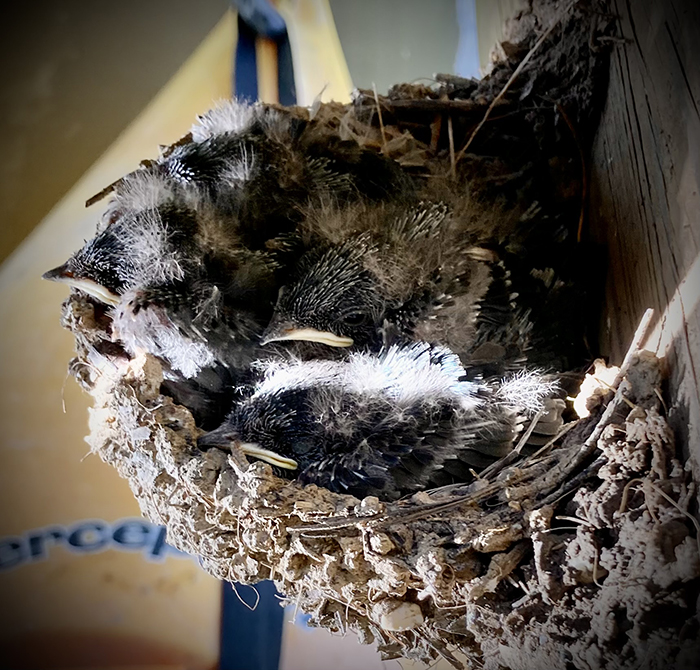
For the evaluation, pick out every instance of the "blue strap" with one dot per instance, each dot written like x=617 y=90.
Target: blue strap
x=260 y=18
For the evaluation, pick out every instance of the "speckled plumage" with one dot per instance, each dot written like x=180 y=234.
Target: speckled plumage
x=260 y=204
x=190 y=248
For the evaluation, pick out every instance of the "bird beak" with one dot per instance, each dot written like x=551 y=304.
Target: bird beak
x=221 y=437
x=307 y=335
x=65 y=276
x=250 y=449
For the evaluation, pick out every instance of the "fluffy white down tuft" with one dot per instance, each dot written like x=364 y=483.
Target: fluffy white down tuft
x=527 y=390
x=155 y=260
x=150 y=331
x=228 y=116
x=405 y=374
x=138 y=191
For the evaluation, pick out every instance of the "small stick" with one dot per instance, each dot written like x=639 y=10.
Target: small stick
x=379 y=113
x=526 y=435
x=595 y=569
x=661 y=400
x=451 y=137
x=564 y=430
x=513 y=455
x=575 y=519
x=569 y=485
x=590 y=445
x=602 y=382
x=635 y=346
x=165 y=152
x=680 y=509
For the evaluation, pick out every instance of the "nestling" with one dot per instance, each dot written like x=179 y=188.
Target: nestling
x=386 y=424
x=430 y=274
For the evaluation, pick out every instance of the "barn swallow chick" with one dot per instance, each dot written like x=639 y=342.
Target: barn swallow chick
x=417 y=269
x=265 y=164
x=180 y=287
x=140 y=247
x=408 y=266
x=249 y=170
x=386 y=424
x=182 y=252
x=101 y=268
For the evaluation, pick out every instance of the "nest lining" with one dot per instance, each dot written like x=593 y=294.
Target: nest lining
x=583 y=555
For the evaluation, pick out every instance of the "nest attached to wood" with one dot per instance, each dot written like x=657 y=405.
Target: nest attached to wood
x=582 y=555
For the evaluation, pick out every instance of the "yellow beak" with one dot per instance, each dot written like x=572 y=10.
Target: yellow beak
x=311 y=335
x=63 y=276
x=251 y=449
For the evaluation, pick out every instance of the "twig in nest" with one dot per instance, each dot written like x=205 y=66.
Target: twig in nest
x=379 y=114
x=575 y=519
x=680 y=509
x=635 y=346
x=672 y=502
x=564 y=430
x=451 y=137
x=445 y=654
x=573 y=484
x=595 y=569
x=514 y=76
x=165 y=152
x=421 y=105
x=106 y=190
x=400 y=516
x=602 y=382
x=526 y=435
x=509 y=458
x=590 y=445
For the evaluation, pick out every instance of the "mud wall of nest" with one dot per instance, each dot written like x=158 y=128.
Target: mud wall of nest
x=583 y=553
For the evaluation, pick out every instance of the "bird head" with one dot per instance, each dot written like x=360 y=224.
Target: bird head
x=333 y=300
x=99 y=269
x=147 y=247
x=272 y=427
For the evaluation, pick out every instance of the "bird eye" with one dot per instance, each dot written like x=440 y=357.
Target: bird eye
x=354 y=319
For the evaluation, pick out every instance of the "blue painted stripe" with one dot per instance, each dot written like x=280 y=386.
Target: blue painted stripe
x=245 y=85
x=285 y=66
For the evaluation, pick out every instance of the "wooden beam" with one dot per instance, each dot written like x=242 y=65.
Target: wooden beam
x=645 y=195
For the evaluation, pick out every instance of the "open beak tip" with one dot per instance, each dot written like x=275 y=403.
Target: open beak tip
x=271 y=457
x=267 y=340
x=89 y=286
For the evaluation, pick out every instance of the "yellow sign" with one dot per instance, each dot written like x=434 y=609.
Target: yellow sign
x=84 y=581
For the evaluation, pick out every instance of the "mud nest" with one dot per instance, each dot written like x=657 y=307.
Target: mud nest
x=581 y=555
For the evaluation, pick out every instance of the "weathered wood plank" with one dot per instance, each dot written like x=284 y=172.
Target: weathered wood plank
x=645 y=194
